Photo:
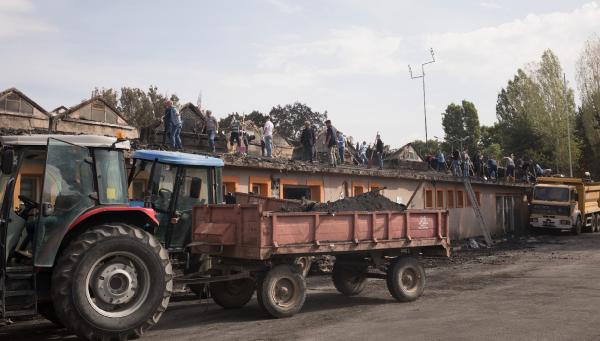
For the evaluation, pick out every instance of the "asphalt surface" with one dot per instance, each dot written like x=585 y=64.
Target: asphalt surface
x=541 y=288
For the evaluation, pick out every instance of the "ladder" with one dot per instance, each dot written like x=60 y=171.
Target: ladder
x=18 y=292
x=477 y=210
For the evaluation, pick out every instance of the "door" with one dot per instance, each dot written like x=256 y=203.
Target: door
x=7 y=185
x=67 y=192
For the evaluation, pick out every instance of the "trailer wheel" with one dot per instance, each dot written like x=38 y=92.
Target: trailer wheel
x=406 y=279
x=282 y=291
x=112 y=283
x=578 y=226
x=232 y=294
x=348 y=280
x=596 y=223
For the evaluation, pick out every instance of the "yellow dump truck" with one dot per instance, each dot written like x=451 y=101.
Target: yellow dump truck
x=565 y=204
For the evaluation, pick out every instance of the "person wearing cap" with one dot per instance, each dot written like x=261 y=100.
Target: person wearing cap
x=211 y=130
x=307 y=139
x=268 y=136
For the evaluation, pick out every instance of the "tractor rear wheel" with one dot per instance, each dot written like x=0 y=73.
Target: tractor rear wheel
x=46 y=309
x=112 y=282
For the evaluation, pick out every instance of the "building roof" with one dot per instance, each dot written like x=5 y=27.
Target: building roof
x=22 y=95
x=80 y=140
x=84 y=103
x=177 y=158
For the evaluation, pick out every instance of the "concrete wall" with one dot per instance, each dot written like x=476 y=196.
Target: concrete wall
x=75 y=126
x=37 y=120
x=463 y=221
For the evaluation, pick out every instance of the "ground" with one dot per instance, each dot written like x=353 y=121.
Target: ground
x=539 y=288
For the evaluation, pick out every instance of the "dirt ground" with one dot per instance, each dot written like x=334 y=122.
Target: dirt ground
x=542 y=288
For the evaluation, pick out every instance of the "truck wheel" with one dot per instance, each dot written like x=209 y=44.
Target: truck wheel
x=406 y=279
x=348 y=280
x=232 y=294
x=578 y=226
x=112 y=282
x=46 y=309
x=282 y=291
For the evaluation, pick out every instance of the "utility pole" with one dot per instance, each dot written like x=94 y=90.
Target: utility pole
x=422 y=76
x=568 y=126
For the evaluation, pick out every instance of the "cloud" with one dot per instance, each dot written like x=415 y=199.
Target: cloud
x=344 y=52
x=490 y=4
x=16 y=19
x=285 y=6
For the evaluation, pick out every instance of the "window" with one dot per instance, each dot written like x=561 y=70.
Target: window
x=358 y=190
x=460 y=199
x=29 y=187
x=428 y=198
x=138 y=187
x=439 y=199
x=98 y=112
x=450 y=198
x=14 y=103
x=110 y=170
x=230 y=183
x=260 y=186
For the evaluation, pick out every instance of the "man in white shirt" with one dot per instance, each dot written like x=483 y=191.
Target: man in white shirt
x=268 y=136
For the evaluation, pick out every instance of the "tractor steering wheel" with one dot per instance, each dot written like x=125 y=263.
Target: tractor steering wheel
x=30 y=203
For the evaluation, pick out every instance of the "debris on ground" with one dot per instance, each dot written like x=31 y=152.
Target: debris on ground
x=370 y=201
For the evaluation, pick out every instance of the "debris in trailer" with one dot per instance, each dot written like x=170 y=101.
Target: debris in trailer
x=370 y=201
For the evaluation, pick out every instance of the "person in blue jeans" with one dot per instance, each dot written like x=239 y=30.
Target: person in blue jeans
x=341 y=140
x=211 y=128
x=175 y=125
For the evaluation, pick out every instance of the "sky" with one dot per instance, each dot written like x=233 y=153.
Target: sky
x=348 y=57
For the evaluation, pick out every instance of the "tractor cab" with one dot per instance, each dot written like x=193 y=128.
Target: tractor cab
x=172 y=183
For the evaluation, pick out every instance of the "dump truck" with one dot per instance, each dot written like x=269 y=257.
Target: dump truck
x=571 y=204
x=75 y=251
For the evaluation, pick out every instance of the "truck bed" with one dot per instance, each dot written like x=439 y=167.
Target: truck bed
x=246 y=231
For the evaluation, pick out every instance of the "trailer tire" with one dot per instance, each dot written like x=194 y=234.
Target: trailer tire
x=232 y=294
x=112 y=263
x=348 y=280
x=576 y=230
x=596 y=223
x=282 y=291
x=406 y=279
x=46 y=309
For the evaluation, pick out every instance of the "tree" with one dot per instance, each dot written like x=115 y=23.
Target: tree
x=462 y=122
x=225 y=122
x=257 y=118
x=588 y=116
x=109 y=95
x=289 y=119
x=491 y=143
x=431 y=148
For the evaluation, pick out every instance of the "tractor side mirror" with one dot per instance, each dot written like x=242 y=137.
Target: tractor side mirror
x=8 y=157
x=195 y=188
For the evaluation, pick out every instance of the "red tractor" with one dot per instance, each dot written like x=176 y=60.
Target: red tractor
x=72 y=249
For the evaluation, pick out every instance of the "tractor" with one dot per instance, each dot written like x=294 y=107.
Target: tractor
x=72 y=247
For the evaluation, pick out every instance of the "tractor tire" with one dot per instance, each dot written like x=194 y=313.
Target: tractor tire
x=348 y=280
x=46 y=309
x=232 y=294
x=406 y=279
x=113 y=282
x=576 y=230
x=282 y=291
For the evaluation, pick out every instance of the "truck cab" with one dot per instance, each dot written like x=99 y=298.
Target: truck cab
x=565 y=204
x=172 y=183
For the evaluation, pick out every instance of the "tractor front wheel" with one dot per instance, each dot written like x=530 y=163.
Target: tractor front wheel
x=112 y=282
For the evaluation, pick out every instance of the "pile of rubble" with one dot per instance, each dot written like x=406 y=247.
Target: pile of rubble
x=370 y=201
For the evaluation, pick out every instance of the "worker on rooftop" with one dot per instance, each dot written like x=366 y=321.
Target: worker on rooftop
x=341 y=140
x=211 y=130
x=510 y=167
x=331 y=142
x=167 y=123
x=235 y=128
x=466 y=161
x=379 y=149
x=440 y=161
x=175 y=124
x=307 y=138
x=456 y=163
x=362 y=153
x=268 y=137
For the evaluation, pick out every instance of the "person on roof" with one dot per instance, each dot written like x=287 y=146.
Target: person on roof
x=510 y=167
x=331 y=142
x=307 y=139
x=235 y=128
x=175 y=125
x=362 y=153
x=379 y=149
x=268 y=137
x=440 y=161
x=341 y=140
x=211 y=130
x=167 y=122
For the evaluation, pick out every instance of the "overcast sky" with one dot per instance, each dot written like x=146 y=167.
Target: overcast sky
x=348 y=57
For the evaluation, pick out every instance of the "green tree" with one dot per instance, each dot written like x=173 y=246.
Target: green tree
x=461 y=122
x=289 y=119
x=431 y=148
x=588 y=116
x=225 y=122
x=109 y=95
x=257 y=118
